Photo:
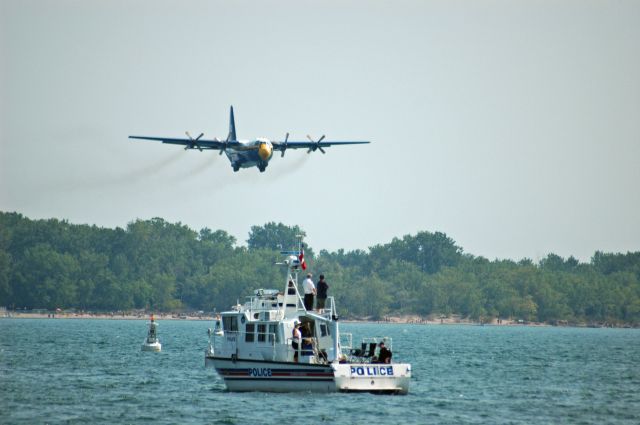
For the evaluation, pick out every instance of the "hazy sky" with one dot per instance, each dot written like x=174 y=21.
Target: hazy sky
x=512 y=126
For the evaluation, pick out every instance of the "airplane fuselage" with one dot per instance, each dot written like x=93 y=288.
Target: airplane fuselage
x=250 y=153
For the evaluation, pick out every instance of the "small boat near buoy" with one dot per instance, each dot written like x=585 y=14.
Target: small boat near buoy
x=151 y=342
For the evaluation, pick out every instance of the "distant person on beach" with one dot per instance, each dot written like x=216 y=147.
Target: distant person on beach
x=321 y=296
x=309 y=292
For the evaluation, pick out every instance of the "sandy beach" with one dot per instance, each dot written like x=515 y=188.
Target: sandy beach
x=442 y=320
x=113 y=316
x=392 y=319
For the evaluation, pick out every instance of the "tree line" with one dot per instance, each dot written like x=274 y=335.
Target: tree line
x=162 y=266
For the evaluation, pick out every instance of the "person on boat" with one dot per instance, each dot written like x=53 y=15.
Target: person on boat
x=295 y=340
x=309 y=292
x=307 y=339
x=306 y=330
x=321 y=296
x=384 y=356
x=291 y=290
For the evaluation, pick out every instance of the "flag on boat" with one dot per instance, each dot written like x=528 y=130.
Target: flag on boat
x=301 y=258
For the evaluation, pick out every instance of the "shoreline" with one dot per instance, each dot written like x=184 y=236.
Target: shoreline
x=393 y=320
x=108 y=316
x=451 y=320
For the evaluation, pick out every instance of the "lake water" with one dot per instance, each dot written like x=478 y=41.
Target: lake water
x=92 y=371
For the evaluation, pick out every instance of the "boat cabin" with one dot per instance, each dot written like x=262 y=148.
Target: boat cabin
x=262 y=329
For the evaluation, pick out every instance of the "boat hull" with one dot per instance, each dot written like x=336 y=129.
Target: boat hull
x=269 y=376
x=391 y=378
x=252 y=375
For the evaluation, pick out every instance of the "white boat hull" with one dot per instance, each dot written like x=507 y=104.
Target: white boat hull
x=257 y=375
x=391 y=378
x=251 y=375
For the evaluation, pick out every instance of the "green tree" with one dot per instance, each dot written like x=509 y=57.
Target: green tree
x=45 y=278
x=166 y=266
x=430 y=251
x=5 y=271
x=277 y=237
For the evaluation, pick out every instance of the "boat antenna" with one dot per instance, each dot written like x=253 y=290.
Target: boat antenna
x=300 y=242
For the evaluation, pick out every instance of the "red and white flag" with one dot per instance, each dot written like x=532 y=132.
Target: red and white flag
x=301 y=258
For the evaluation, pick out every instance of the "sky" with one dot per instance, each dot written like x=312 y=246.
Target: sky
x=511 y=126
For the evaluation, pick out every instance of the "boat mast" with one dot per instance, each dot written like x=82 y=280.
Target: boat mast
x=293 y=263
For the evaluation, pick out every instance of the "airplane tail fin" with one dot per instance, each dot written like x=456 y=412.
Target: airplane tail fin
x=232 y=126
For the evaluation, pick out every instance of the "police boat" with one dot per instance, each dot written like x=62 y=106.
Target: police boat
x=151 y=342
x=272 y=343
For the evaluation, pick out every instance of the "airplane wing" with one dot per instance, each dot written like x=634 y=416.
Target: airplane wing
x=191 y=143
x=312 y=146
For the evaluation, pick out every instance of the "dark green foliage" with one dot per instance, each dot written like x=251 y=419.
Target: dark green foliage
x=429 y=251
x=153 y=264
x=275 y=236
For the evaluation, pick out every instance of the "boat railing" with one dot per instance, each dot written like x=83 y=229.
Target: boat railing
x=268 y=337
x=263 y=302
x=257 y=337
x=262 y=339
x=312 y=351
x=388 y=341
x=330 y=308
x=368 y=346
x=346 y=340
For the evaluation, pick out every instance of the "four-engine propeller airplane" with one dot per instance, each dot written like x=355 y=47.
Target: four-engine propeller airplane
x=245 y=154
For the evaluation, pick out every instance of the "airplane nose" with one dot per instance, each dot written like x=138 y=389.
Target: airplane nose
x=265 y=151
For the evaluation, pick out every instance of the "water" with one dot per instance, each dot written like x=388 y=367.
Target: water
x=93 y=371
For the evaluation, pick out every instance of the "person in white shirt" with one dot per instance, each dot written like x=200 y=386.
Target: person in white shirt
x=309 y=292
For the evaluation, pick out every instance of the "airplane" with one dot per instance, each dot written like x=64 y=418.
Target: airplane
x=251 y=153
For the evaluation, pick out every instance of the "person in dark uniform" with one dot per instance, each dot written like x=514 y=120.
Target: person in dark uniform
x=385 y=354
x=291 y=290
x=321 y=296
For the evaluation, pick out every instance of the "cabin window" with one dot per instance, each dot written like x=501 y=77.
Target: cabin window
x=248 y=337
x=262 y=330
x=230 y=323
x=273 y=333
x=324 y=330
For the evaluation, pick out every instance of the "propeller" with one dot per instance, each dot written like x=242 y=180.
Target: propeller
x=285 y=145
x=224 y=145
x=194 y=142
x=317 y=144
